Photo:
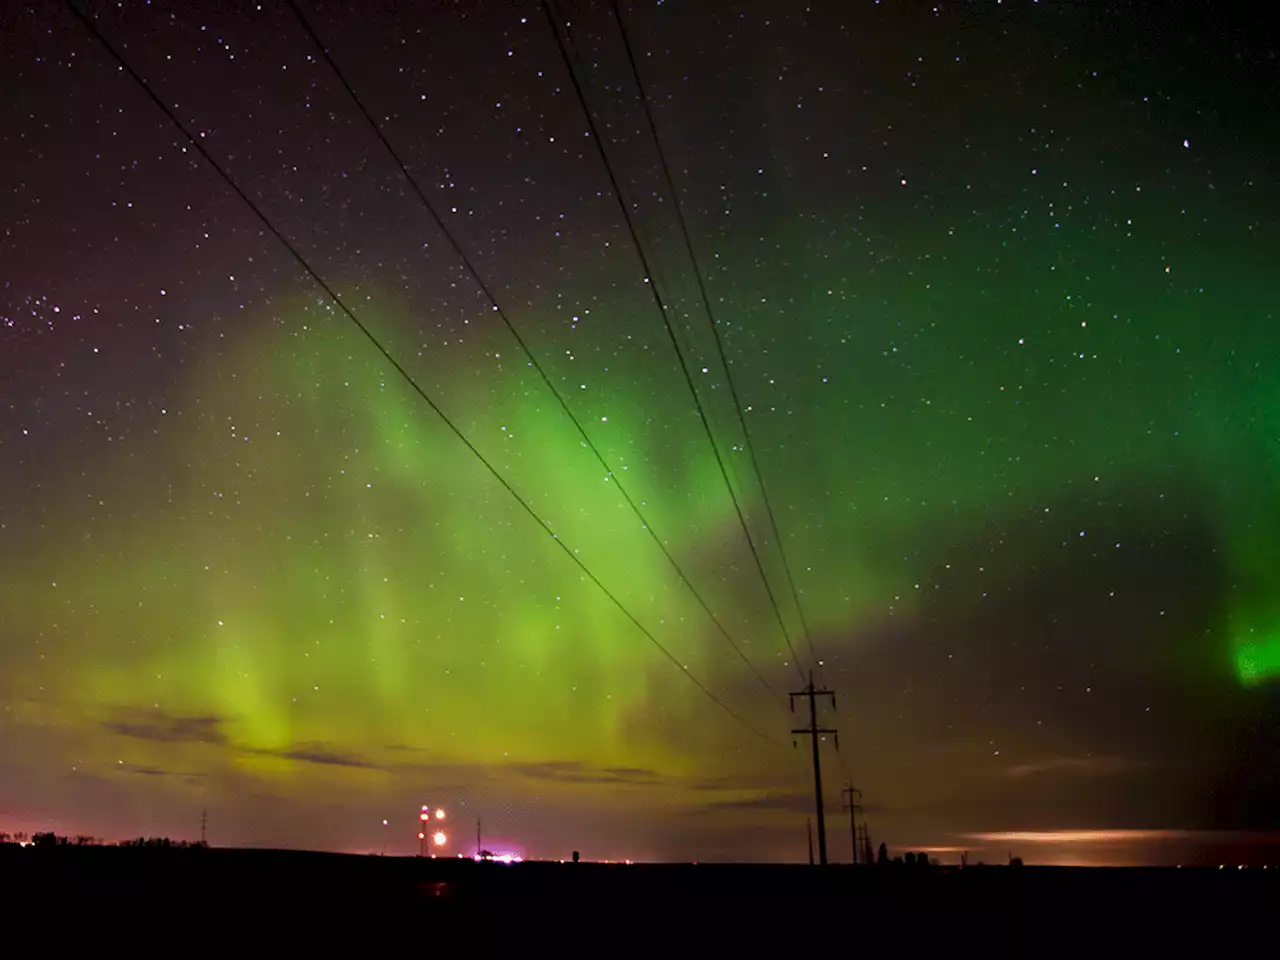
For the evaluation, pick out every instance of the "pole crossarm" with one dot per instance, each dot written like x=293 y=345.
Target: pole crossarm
x=813 y=731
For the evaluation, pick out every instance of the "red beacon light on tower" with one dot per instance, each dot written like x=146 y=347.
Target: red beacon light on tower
x=425 y=834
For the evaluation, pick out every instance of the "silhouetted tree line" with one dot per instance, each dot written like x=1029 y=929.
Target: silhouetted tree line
x=164 y=843
x=916 y=861
x=907 y=861
x=50 y=839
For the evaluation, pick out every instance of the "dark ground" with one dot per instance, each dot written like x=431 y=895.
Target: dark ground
x=844 y=904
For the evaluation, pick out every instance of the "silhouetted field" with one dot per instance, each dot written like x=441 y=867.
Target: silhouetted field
x=646 y=893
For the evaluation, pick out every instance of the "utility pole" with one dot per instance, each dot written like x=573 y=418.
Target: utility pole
x=808 y=829
x=813 y=731
x=852 y=800
x=479 y=854
x=204 y=825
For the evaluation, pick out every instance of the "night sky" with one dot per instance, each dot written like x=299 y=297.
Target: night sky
x=997 y=287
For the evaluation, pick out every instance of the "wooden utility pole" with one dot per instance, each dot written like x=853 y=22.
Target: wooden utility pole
x=813 y=731
x=852 y=800
x=808 y=829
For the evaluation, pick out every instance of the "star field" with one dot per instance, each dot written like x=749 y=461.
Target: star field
x=996 y=286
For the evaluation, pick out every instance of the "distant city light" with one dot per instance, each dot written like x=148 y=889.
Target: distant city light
x=439 y=838
x=500 y=858
x=439 y=814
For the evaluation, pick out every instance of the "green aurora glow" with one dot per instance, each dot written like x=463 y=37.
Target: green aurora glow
x=344 y=574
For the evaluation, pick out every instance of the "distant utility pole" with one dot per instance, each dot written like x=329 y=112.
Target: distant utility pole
x=204 y=824
x=852 y=800
x=808 y=829
x=813 y=731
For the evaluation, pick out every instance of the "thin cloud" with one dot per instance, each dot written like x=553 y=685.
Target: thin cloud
x=144 y=771
x=160 y=727
x=632 y=773
x=788 y=802
x=736 y=783
x=575 y=771
x=1079 y=766
x=319 y=753
x=1085 y=836
x=137 y=770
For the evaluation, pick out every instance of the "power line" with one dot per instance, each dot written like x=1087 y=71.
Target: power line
x=666 y=321
x=715 y=327
x=484 y=288
x=404 y=374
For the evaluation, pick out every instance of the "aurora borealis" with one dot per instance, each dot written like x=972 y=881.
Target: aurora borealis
x=997 y=285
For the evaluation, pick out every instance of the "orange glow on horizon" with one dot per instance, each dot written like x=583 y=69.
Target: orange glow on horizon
x=1081 y=836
